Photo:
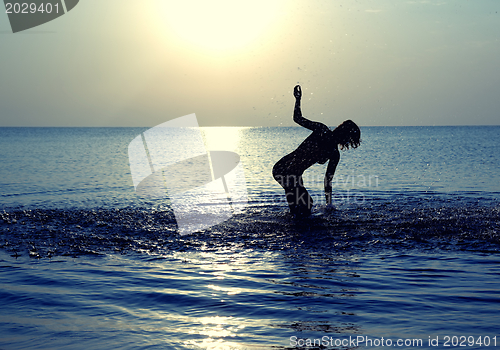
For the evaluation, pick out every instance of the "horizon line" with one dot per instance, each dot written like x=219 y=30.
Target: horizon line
x=229 y=126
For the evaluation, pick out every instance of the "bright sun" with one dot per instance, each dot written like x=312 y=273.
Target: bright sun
x=221 y=25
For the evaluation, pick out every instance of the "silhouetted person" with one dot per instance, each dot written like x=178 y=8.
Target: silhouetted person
x=319 y=147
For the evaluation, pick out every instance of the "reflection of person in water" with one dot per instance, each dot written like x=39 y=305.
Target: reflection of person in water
x=320 y=146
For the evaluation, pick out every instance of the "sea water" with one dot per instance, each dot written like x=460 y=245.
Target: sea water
x=408 y=258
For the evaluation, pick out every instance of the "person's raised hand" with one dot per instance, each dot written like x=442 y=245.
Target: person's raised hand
x=297 y=92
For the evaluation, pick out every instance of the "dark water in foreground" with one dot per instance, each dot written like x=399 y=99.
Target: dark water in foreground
x=410 y=256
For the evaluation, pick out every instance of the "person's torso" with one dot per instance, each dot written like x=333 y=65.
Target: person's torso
x=318 y=147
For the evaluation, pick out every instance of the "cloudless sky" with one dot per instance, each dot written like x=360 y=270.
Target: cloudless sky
x=235 y=63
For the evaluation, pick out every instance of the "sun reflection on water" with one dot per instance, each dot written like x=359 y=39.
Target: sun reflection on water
x=222 y=138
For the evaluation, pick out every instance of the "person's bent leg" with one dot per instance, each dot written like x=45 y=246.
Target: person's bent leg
x=303 y=201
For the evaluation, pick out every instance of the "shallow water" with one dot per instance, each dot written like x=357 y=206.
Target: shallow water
x=246 y=298
x=89 y=167
x=411 y=255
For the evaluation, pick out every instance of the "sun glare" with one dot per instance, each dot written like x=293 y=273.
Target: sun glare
x=220 y=25
x=222 y=138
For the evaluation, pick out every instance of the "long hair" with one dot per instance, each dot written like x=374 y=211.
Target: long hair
x=348 y=134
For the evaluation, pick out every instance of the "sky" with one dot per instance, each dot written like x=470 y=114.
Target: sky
x=235 y=63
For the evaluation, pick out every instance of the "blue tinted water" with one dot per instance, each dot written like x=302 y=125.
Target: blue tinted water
x=410 y=253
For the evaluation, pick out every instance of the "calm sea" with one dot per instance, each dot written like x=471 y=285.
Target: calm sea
x=409 y=259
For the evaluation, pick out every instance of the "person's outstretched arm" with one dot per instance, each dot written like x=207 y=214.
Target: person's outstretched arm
x=330 y=171
x=297 y=114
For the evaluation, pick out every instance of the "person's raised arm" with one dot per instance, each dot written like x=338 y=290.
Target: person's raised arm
x=330 y=171
x=297 y=114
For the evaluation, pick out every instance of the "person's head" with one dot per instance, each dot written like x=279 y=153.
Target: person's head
x=348 y=135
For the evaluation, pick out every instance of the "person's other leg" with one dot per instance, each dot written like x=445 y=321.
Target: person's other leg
x=299 y=200
x=303 y=202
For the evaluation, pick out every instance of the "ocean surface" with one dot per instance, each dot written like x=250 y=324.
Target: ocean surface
x=409 y=258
